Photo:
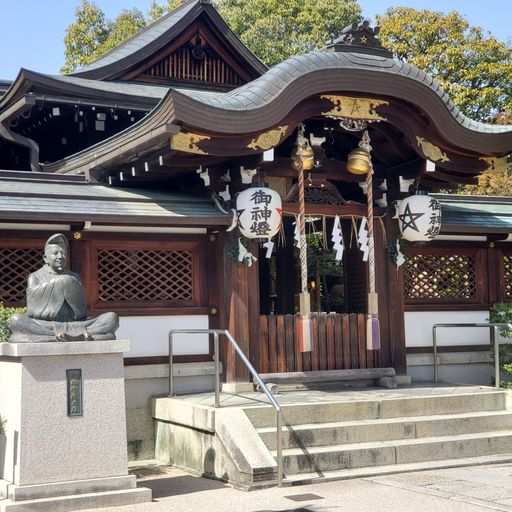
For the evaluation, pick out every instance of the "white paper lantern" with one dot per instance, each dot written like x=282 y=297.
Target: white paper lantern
x=419 y=218
x=259 y=212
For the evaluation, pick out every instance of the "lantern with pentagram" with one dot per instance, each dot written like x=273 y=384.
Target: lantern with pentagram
x=419 y=218
x=259 y=211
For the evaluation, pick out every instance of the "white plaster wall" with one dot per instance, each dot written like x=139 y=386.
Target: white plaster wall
x=418 y=328
x=149 y=334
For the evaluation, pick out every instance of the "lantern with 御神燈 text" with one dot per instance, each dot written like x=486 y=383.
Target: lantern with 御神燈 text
x=259 y=211
x=419 y=218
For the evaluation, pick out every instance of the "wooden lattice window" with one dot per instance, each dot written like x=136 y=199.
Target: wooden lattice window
x=16 y=263
x=435 y=275
x=144 y=275
x=507 y=276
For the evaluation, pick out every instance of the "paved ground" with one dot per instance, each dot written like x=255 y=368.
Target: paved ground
x=469 y=489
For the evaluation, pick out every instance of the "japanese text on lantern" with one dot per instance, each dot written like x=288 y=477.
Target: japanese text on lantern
x=434 y=224
x=260 y=213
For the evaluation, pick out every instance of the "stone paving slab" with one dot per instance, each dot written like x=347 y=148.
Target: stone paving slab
x=474 y=489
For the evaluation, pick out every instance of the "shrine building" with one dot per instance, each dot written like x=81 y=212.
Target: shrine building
x=138 y=159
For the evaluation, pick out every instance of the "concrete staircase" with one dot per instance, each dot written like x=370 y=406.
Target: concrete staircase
x=368 y=437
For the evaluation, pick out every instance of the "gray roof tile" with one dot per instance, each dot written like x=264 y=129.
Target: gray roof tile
x=471 y=214
x=129 y=88
x=27 y=198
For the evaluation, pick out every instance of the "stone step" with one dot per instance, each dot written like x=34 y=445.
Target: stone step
x=372 y=471
x=297 y=414
x=79 y=501
x=385 y=453
x=336 y=433
x=325 y=379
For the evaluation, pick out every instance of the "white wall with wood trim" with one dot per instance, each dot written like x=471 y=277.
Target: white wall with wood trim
x=149 y=335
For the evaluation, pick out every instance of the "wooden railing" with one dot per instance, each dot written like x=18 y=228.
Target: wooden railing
x=339 y=342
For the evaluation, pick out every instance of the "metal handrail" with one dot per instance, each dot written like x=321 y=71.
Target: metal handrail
x=494 y=341
x=250 y=367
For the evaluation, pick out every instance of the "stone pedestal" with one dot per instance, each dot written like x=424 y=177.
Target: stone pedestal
x=66 y=427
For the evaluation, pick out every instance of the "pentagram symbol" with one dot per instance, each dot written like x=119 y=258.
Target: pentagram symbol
x=239 y=214
x=412 y=217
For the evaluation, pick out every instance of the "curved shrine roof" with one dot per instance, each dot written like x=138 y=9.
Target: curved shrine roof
x=271 y=97
x=278 y=97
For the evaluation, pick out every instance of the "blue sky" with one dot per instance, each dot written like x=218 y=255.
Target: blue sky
x=33 y=30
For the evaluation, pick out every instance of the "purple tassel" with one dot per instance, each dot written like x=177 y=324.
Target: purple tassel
x=372 y=333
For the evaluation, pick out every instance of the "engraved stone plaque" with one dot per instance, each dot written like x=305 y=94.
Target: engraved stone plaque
x=74 y=381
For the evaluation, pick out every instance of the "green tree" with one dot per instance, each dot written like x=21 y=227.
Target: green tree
x=471 y=65
x=277 y=29
x=92 y=34
x=128 y=23
x=156 y=10
x=89 y=31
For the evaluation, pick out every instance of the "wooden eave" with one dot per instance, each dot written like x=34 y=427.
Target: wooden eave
x=151 y=40
x=50 y=88
x=151 y=132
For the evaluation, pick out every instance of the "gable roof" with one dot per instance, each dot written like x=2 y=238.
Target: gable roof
x=154 y=37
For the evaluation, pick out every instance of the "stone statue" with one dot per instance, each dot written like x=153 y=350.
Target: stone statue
x=56 y=304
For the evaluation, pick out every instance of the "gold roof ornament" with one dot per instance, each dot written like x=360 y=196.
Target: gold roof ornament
x=354 y=108
x=187 y=142
x=495 y=164
x=430 y=151
x=267 y=140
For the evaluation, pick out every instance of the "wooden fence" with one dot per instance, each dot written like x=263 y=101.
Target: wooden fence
x=339 y=342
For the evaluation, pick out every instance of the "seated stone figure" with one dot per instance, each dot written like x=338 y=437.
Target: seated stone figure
x=56 y=305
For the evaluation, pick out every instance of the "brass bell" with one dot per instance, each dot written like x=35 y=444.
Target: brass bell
x=358 y=161
x=308 y=157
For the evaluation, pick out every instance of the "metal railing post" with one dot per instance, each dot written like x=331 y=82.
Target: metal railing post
x=494 y=335
x=171 y=367
x=279 y=428
x=494 y=339
x=217 y=368
x=434 y=344
x=257 y=378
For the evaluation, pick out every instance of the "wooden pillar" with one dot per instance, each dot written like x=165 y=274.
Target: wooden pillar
x=79 y=257
x=238 y=312
x=394 y=297
x=495 y=271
